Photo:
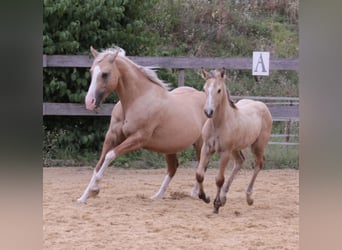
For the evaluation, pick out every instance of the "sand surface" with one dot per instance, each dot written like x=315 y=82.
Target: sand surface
x=123 y=216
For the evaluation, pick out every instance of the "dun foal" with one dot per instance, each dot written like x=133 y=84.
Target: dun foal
x=230 y=128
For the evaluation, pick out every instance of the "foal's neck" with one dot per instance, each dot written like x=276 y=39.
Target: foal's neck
x=224 y=112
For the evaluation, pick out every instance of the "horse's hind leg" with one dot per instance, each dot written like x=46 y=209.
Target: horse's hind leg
x=172 y=165
x=259 y=162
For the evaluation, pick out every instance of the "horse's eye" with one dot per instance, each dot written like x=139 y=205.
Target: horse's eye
x=219 y=91
x=105 y=75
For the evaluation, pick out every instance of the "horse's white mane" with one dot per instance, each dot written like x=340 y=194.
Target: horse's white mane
x=149 y=72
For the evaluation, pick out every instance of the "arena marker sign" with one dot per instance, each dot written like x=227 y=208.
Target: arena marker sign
x=261 y=63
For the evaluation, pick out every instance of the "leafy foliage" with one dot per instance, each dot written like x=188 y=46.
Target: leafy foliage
x=70 y=27
x=158 y=28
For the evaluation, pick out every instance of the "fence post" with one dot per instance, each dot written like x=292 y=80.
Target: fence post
x=181 y=77
x=287 y=130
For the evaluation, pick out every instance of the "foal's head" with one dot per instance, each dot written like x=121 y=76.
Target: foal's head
x=104 y=76
x=215 y=89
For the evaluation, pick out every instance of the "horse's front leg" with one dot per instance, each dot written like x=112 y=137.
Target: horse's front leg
x=131 y=143
x=93 y=187
x=224 y=159
x=201 y=168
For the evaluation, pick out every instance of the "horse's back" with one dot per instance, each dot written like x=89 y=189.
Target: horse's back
x=189 y=102
x=180 y=121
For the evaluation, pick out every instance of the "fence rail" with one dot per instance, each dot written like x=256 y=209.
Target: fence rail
x=282 y=108
x=279 y=113
x=80 y=61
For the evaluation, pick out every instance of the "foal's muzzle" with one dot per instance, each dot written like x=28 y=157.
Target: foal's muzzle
x=209 y=112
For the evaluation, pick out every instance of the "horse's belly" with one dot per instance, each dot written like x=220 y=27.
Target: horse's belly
x=172 y=141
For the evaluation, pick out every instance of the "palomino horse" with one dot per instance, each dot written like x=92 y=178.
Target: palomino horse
x=230 y=128
x=148 y=115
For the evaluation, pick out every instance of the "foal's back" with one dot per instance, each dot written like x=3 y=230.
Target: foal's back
x=255 y=119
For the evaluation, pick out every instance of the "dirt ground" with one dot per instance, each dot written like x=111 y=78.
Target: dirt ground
x=123 y=216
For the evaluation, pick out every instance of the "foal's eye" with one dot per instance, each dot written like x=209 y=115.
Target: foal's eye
x=219 y=91
x=105 y=75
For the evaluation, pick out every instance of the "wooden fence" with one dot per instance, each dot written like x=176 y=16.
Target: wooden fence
x=282 y=108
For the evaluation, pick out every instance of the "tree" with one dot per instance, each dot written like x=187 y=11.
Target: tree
x=71 y=27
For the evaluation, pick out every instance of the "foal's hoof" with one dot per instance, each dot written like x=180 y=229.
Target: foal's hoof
x=223 y=200
x=205 y=198
x=250 y=201
x=94 y=192
x=217 y=205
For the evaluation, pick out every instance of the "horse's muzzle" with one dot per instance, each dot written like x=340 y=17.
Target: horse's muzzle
x=209 y=112
x=90 y=103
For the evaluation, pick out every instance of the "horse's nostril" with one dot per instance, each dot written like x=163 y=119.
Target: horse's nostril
x=209 y=113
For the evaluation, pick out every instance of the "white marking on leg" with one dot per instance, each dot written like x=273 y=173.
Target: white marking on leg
x=162 y=189
x=93 y=183
x=195 y=190
x=85 y=195
x=110 y=156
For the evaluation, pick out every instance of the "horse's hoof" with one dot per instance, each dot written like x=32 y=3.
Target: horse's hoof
x=94 y=192
x=217 y=205
x=223 y=200
x=156 y=197
x=194 y=193
x=250 y=201
x=205 y=198
x=216 y=210
x=81 y=201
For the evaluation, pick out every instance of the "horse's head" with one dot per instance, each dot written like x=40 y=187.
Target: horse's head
x=214 y=88
x=104 y=77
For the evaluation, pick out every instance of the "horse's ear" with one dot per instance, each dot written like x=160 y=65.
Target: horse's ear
x=113 y=56
x=204 y=74
x=94 y=52
x=223 y=73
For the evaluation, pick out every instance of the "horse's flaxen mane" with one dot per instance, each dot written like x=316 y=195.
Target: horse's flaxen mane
x=147 y=71
x=214 y=74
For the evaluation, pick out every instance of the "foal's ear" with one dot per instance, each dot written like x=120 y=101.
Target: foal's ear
x=94 y=52
x=204 y=74
x=223 y=73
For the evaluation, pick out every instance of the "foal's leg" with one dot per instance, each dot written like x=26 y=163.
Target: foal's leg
x=201 y=168
x=259 y=162
x=239 y=159
x=172 y=165
x=224 y=159
x=197 y=146
x=135 y=141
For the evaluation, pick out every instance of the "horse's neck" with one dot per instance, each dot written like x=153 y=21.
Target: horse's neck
x=133 y=83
